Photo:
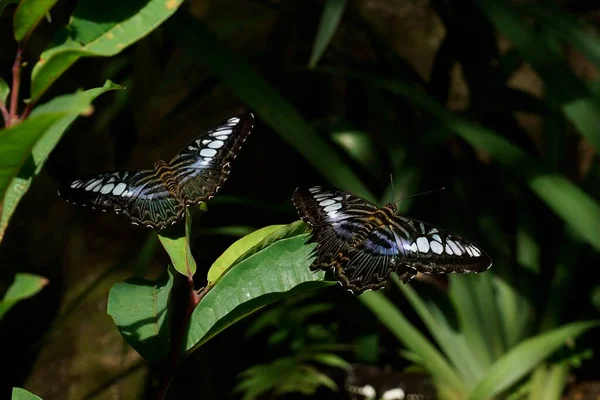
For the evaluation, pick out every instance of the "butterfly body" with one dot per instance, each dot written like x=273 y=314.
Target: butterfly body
x=364 y=244
x=158 y=198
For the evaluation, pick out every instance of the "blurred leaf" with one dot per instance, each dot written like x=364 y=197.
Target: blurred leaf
x=22 y=394
x=266 y=102
x=237 y=249
x=28 y=15
x=25 y=147
x=515 y=312
x=521 y=359
x=367 y=348
x=330 y=19
x=454 y=344
x=145 y=255
x=5 y=3
x=415 y=341
x=177 y=245
x=284 y=375
x=360 y=147
x=329 y=359
x=98 y=29
x=548 y=382
x=265 y=275
x=4 y=92
x=24 y=286
x=567 y=200
x=139 y=308
x=568 y=28
x=576 y=101
x=229 y=230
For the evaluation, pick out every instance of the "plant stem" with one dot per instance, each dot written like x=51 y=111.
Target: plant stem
x=14 y=94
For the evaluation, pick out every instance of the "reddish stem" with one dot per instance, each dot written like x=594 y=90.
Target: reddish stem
x=14 y=94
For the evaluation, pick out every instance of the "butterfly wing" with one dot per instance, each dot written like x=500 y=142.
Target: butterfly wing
x=433 y=250
x=138 y=194
x=337 y=218
x=203 y=166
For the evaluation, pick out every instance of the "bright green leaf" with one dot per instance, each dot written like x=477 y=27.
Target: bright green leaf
x=330 y=19
x=25 y=147
x=24 y=286
x=139 y=308
x=178 y=247
x=238 y=248
x=243 y=80
x=521 y=359
x=96 y=28
x=28 y=15
x=407 y=334
x=4 y=91
x=264 y=276
x=22 y=394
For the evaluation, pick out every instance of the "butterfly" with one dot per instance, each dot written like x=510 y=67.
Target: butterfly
x=364 y=244
x=367 y=382
x=158 y=197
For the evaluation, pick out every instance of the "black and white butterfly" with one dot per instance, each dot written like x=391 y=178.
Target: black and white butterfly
x=368 y=382
x=364 y=244
x=158 y=197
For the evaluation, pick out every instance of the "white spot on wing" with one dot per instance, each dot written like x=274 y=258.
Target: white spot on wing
x=224 y=137
x=208 y=152
x=206 y=141
x=220 y=132
x=216 y=144
x=476 y=251
x=413 y=247
x=326 y=203
x=92 y=184
x=436 y=247
x=333 y=207
x=233 y=120
x=107 y=188
x=118 y=190
x=423 y=244
x=437 y=237
x=448 y=249
x=393 y=394
x=455 y=249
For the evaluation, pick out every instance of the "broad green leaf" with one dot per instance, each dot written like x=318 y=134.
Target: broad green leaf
x=24 y=286
x=178 y=247
x=22 y=394
x=4 y=91
x=139 y=308
x=576 y=100
x=523 y=358
x=407 y=334
x=25 y=147
x=272 y=273
x=28 y=15
x=243 y=80
x=98 y=28
x=567 y=200
x=238 y=248
x=330 y=19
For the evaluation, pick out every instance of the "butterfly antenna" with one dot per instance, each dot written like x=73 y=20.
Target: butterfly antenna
x=420 y=194
x=392 y=187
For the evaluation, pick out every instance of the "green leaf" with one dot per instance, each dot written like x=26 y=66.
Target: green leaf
x=237 y=249
x=139 y=308
x=24 y=286
x=567 y=200
x=430 y=358
x=360 y=147
x=523 y=358
x=265 y=275
x=22 y=394
x=28 y=15
x=95 y=29
x=330 y=19
x=243 y=80
x=25 y=147
x=178 y=247
x=4 y=91
x=576 y=100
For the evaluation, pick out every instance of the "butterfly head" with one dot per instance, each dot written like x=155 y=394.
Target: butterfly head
x=392 y=207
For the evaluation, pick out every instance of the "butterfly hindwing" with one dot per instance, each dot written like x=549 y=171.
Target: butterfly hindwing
x=364 y=244
x=138 y=194
x=203 y=165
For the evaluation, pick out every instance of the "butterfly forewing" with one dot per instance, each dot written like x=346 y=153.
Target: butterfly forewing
x=203 y=165
x=364 y=244
x=158 y=198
